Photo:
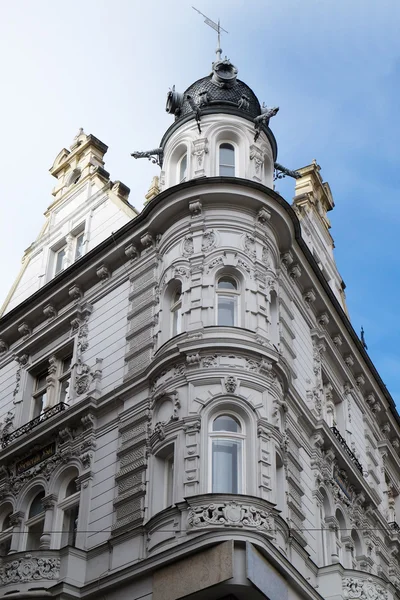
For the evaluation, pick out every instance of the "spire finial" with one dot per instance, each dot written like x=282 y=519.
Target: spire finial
x=217 y=27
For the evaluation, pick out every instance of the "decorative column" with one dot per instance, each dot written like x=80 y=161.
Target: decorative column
x=16 y=520
x=48 y=505
x=192 y=457
x=51 y=380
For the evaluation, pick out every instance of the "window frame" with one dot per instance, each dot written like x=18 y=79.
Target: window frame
x=56 y=255
x=6 y=534
x=227 y=435
x=176 y=311
x=179 y=168
x=219 y=164
x=60 y=377
x=65 y=505
x=33 y=521
x=234 y=294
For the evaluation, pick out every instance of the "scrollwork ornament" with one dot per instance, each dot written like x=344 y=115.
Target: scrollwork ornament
x=30 y=568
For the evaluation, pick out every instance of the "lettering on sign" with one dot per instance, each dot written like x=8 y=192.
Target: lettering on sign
x=34 y=459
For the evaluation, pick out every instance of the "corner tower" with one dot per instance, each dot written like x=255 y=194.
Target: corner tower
x=220 y=129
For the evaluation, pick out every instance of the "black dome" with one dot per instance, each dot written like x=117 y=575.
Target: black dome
x=218 y=90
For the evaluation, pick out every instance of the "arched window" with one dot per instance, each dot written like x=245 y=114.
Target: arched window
x=182 y=166
x=227 y=458
x=5 y=529
x=176 y=311
x=69 y=506
x=35 y=522
x=227 y=160
x=228 y=300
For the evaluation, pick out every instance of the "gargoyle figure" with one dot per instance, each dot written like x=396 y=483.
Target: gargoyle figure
x=154 y=155
x=263 y=119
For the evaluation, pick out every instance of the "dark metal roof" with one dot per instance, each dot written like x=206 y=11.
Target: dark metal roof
x=217 y=96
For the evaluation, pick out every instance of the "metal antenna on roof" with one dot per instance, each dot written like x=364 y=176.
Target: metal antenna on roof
x=217 y=27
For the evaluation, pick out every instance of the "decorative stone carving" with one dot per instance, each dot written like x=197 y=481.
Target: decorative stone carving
x=82 y=379
x=75 y=293
x=287 y=258
x=230 y=514
x=266 y=257
x=210 y=361
x=249 y=244
x=188 y=246
x=103 y=272
x=337 y=340
x=29 y=568
x=215 y=262
x=309 y=296
x=146 y=240
x=193 y=359
x=257 y=156
x=7 y=426
x=180 y=369
x=209 y=241
x=323 y=319
x=360 y=380
x=24 y=330
x=199 y=150
x=263 y=216
x=49 y=311
x=131 y=252
x=230 y=384
x=195 y=208
x=181 y=272
x=3 y=347
x=295 y=271
x=364 y=589
x=349 y=360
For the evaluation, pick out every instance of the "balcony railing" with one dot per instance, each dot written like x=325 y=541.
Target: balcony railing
x=348 y=451
x=47 y=414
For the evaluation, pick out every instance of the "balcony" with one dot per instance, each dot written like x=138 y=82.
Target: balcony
x=348 y=451
x=47 y=414
x=41 y=569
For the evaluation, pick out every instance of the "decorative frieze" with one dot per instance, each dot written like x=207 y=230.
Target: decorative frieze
x=230 y=514
x=363 y=589
x=29 y=569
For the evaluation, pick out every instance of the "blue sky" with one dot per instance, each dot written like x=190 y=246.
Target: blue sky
x=332 y=67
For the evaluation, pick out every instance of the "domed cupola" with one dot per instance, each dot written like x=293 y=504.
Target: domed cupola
x=220 y=129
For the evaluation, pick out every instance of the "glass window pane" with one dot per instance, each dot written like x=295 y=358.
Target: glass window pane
x=227 y=283
x=36 y=505
x=226 y=466
x=169 y=466
x=227 y=155
x=34 y=534
x=60 y=260
x=70 y=526
x=66 y=364
x=40 y=403
x=64 y=391
x=176 y=321
x=225 y=171
x=226 y=423
x=79 y=246
x=41 y=380
x=226 y=310
x=7 y=522
x=183 y=168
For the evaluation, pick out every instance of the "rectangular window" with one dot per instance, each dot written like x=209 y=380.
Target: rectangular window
x=70 y=526
x=60 y=260
x=169 y=480
x=65 y=378
x=226 y=466
x=226 y=310
x=44 y=396
x=40 y=394
x=79 y=246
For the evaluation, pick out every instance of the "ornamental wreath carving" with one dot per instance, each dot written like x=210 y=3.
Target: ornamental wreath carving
x=230 y=514
x=209 y=241
x=365 y=589
x=30 y=568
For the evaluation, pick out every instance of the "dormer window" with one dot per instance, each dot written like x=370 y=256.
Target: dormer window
x=226 y=160
x=183 y=168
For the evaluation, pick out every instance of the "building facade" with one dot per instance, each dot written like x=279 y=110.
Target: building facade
x=186 y=409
